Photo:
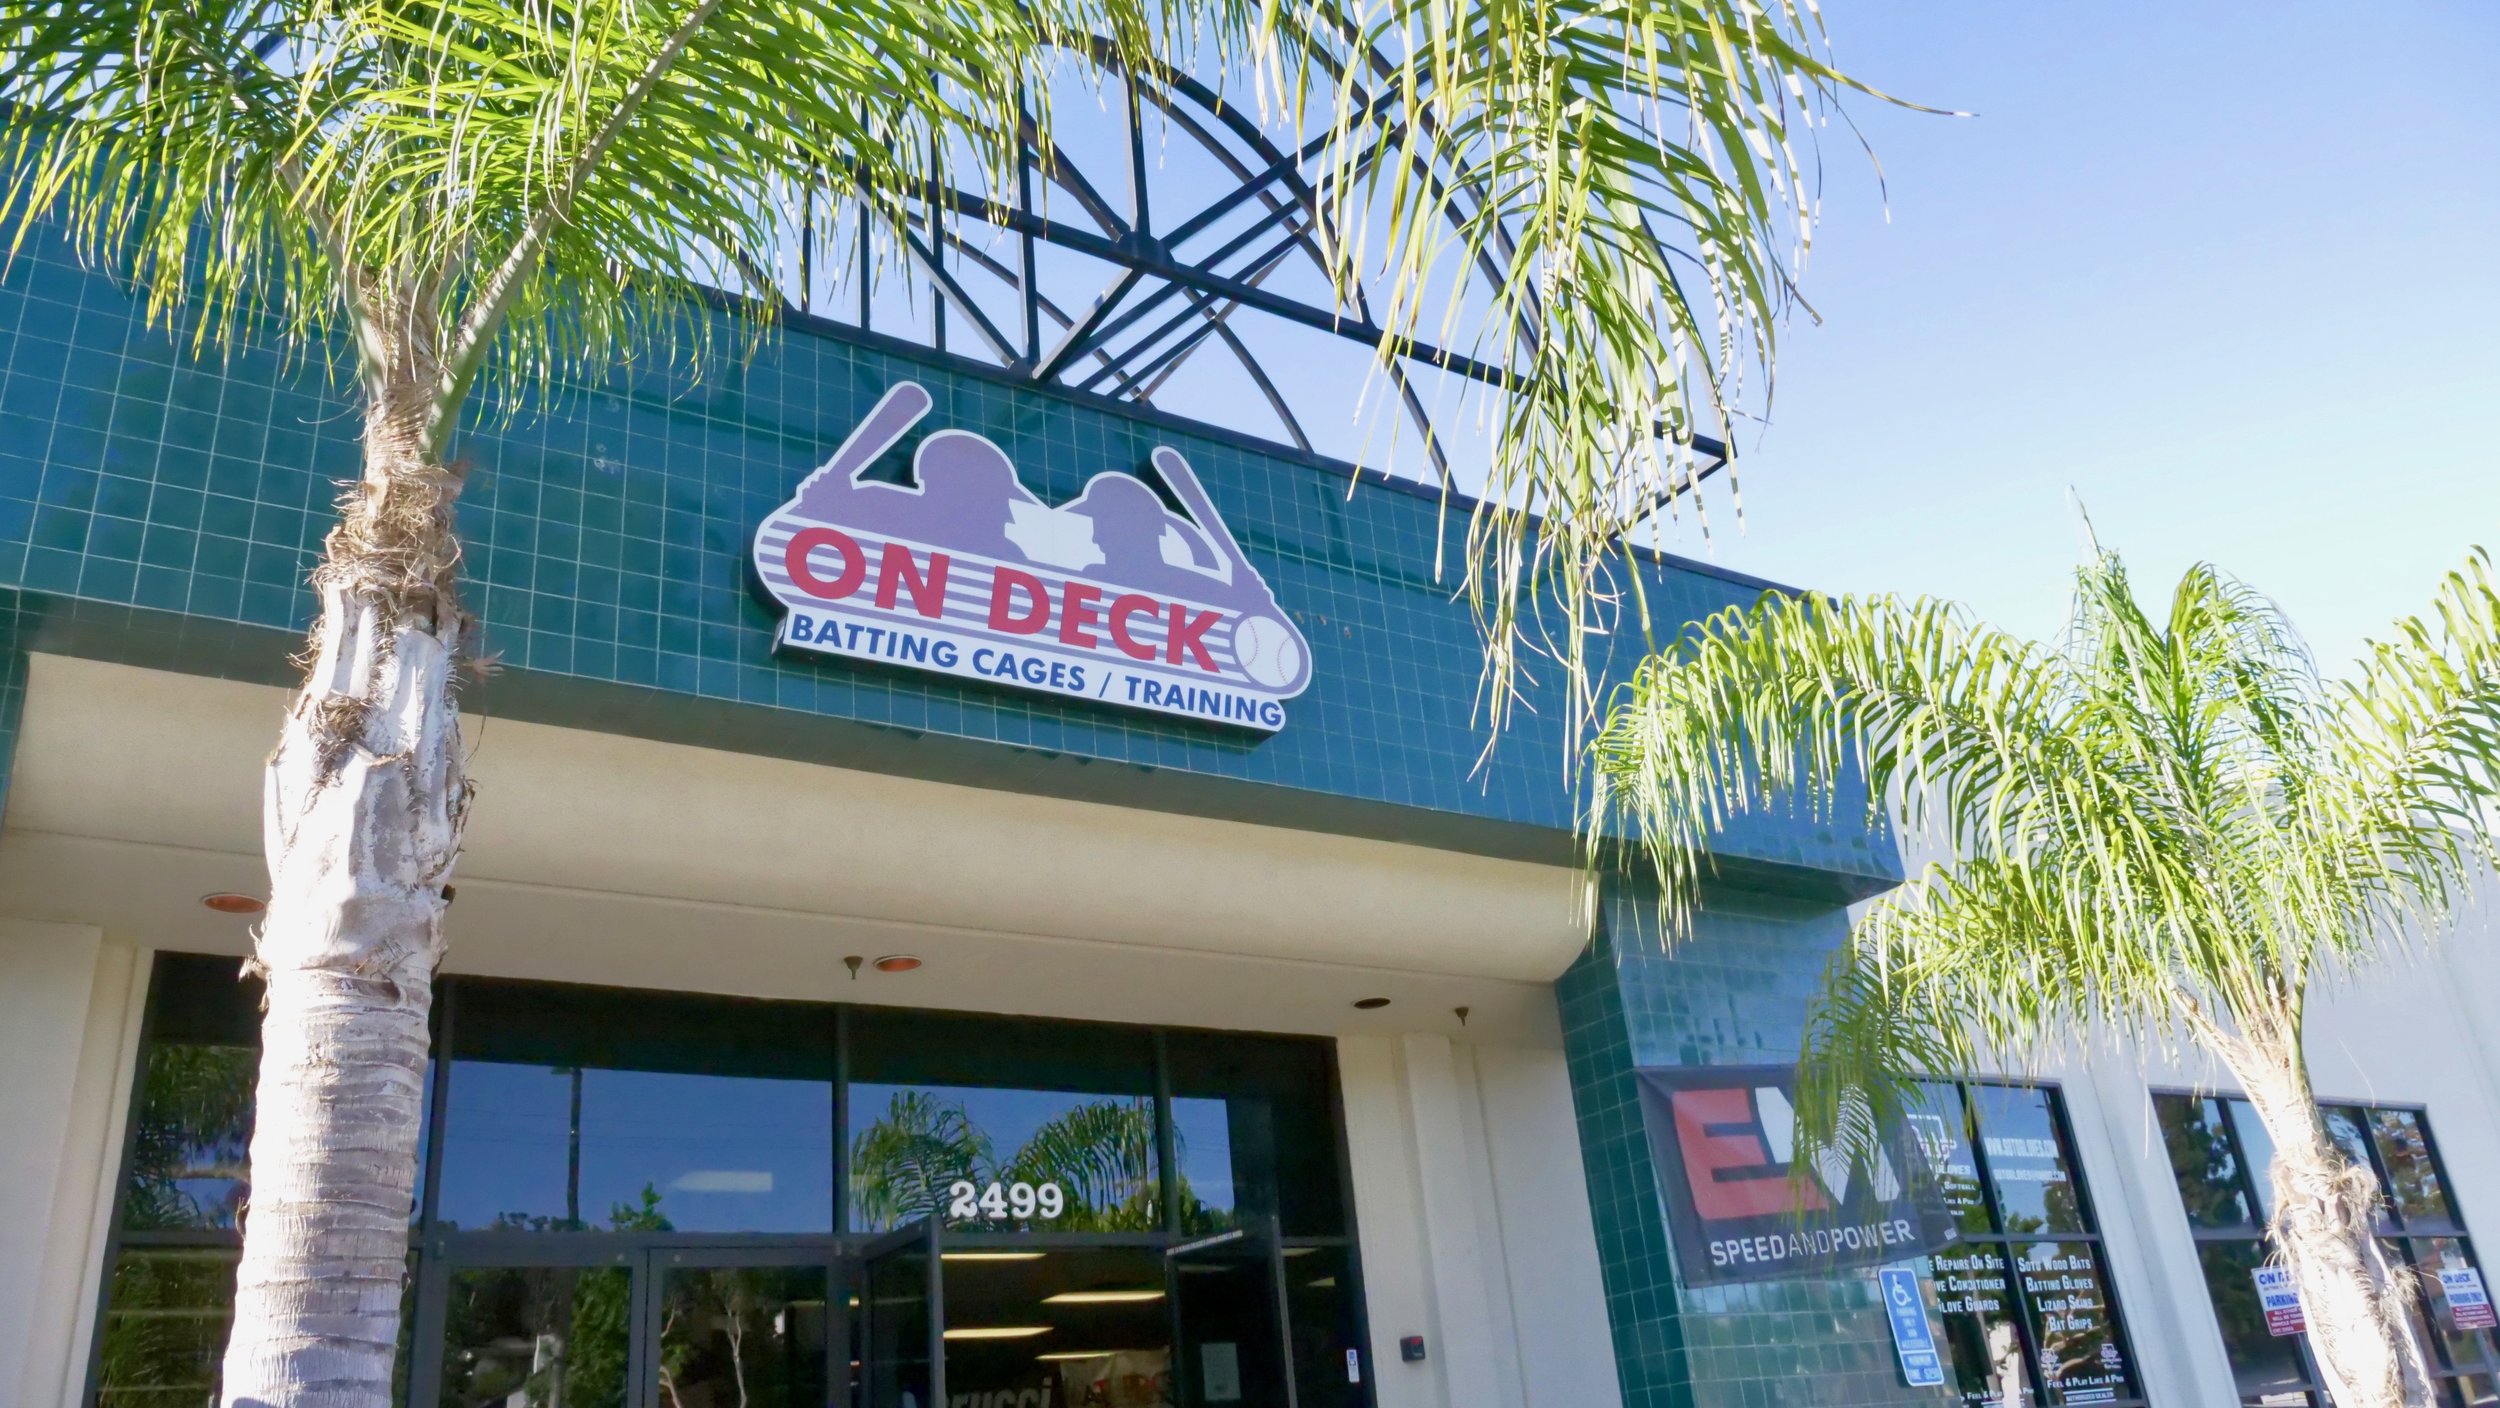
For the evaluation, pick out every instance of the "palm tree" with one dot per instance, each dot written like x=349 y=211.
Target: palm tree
x=434 y=195
x=2165 y=826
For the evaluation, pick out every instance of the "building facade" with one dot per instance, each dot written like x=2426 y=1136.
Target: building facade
x=1067 y=948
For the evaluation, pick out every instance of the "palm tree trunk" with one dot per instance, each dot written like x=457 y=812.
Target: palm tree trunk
x=363 y=807
x=2358 y=1305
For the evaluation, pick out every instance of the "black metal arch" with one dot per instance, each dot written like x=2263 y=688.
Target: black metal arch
x=1127 y=337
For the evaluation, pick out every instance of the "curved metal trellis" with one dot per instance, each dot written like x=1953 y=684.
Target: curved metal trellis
x=1106 y=294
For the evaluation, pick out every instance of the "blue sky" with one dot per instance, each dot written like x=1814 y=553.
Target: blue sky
x=2226 y=272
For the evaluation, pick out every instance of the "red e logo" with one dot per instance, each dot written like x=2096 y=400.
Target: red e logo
x=1726 y=1162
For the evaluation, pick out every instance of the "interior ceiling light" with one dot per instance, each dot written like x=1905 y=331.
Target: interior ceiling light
x=1084 y=1353
x=897 y=963
x=1102 y=1297
x=1370 y=1004
x=996 y=1332
x=228 y=902
x=989 y=1256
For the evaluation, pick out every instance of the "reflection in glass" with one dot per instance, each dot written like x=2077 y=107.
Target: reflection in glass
x=2349 y=1128
x=2412 y=1174
x=164 y=1336
x=2256 y=1146
x=2026 y=1160
x=998 y=1124
x=2478 y=1391
x=1255 y=1133
x=542 y=1147
x=1942 y=1127
x=1973 y=1305
x=593 y=1108
x=2067 y=1298
x=2204 y=1159
x=2465 y=1349
x=537 y=1337
x=990 y=1158
x=743 y=1337
x=2266 y=1366
x=190 y=1147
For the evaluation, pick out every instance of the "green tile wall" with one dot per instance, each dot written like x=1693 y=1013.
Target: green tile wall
x=1734 y=992
x=607 y=534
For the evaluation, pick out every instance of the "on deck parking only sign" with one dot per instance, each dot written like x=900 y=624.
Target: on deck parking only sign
x=1912 y=1337
x=2281 y=1300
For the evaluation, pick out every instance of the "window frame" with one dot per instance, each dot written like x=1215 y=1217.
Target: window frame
x=2388 y=1226
x=2006 y=1243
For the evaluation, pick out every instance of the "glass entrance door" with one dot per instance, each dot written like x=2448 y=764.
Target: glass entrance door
x=902 y=1319
x=1229 y=1336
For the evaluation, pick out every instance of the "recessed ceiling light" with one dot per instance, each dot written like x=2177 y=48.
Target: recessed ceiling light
x=996 y=1332
x=228 y=902
x=989 y=1256
x=897 y=963
x=1102 y=1297
x=1084 y=1353
x=1370 y=1004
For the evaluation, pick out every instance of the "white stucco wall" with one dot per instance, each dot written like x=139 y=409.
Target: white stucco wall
x=68 y=1007
x=1475 y=1226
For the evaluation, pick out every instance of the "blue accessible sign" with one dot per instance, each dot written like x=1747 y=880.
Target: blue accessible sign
x=1912 y=1338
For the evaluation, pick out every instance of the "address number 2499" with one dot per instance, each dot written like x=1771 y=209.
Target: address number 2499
x=967 y=1201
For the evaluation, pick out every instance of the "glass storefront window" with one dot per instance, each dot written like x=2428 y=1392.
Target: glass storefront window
x=2027 y=1164
x=2256 y=1148
x=1972 y=1298
x=538 y=1337
x=2023 y=1318
x=1253 y=1133
x=2267 y=1368
x=585 y=1108
x=2067 y=1304
x=2395 y=1145
x=2206 y=1162
x=1941 y=1124
x=192 y=1139
x=2465 y=1349
x=164 y=1337
x=2413 y=1181
x=995 y=1124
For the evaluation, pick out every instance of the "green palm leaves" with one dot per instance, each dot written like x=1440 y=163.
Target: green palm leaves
x=2165 y=826
x=1567 y=146
x=539 y=189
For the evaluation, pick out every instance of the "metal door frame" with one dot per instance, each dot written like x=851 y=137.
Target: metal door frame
x=929 y=1233
x=1259 y=1233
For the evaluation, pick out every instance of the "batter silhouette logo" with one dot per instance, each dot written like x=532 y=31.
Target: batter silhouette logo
x=1116 y=596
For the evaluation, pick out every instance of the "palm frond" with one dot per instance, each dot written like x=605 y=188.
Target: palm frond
x=2166 y=824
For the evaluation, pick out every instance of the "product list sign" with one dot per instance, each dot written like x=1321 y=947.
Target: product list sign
x=1724 y=1138
x=1122 y=596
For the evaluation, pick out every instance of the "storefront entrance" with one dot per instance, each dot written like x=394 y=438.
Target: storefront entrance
x=663 y=1321
x=636 y=1200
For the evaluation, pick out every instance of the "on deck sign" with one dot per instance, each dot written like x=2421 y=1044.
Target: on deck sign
x=1112 y=597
